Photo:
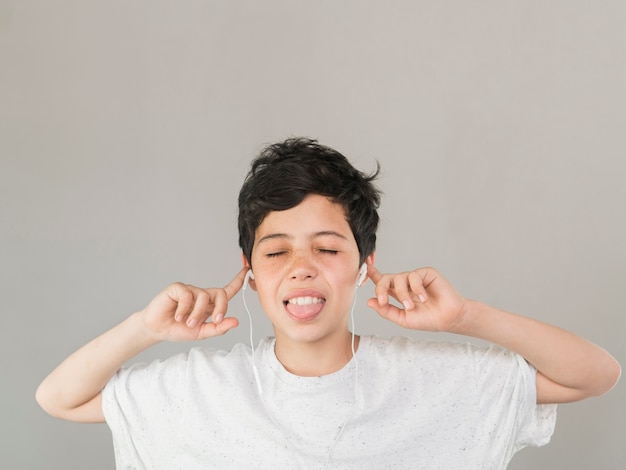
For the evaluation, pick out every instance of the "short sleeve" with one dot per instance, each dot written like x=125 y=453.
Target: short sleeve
x=506 y=385
x=142 y=405
x=538 y=427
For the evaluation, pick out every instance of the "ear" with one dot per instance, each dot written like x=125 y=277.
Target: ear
x=246 y=264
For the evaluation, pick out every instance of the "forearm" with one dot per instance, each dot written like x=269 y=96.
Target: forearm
x=574 y=367
x=83 y=375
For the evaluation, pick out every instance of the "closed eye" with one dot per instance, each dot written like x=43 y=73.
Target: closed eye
x=274 y=255
x=328 y=252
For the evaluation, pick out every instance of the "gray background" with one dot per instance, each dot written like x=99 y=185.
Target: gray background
x=126 y=128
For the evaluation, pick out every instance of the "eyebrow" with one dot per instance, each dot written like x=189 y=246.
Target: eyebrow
x=323 y=233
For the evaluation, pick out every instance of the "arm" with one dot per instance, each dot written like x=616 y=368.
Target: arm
x=569 y=367
x=73 y=390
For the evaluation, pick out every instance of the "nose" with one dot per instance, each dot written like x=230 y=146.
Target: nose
x=302 y=268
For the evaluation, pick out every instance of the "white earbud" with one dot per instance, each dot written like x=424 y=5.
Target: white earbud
x=362 y=274
x=249 y=275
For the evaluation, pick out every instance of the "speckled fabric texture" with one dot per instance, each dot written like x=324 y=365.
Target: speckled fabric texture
x=417 y=405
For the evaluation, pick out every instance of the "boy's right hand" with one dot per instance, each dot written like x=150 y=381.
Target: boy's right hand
x=181 y=311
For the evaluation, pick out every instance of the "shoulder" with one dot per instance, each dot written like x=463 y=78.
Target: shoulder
x=403 y=349
x=188 y=362
x=399 y=345
x=203 y=355
x=449 y=365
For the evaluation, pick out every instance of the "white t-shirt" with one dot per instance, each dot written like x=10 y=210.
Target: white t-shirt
x=418 y=405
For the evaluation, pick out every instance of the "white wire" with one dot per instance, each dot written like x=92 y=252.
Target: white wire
x=356 y=383
x=253 y=358
x=260 y=389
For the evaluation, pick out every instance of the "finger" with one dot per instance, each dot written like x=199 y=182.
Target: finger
x=389 y=312
x=382 y=284
x=373 y=273
x=402 y=293
x=417 y=282
x=202 y=307
x=235 y=285
x=220 y=297
x=383 y=288
x=184 y=298
x=220 y=308
x=207 y=330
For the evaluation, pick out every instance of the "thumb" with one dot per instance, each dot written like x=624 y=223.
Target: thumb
x=210 y=329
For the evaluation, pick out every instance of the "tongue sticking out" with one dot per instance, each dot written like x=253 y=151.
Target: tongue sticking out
x=304 y=309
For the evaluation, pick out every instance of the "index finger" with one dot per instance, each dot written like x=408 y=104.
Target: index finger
x=236 y=284
x=373 y=273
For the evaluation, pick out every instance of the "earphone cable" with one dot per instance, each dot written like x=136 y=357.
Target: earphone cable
x=260 y=388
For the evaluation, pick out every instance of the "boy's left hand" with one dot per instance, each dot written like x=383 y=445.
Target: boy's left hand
x=430 y=302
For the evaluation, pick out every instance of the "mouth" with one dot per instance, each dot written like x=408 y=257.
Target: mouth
x=304 y=306
x=304 y=300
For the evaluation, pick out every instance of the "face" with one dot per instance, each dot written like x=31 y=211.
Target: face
x=306 y=263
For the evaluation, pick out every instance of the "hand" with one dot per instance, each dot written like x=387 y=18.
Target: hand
x=430 y=302
x=181 y=311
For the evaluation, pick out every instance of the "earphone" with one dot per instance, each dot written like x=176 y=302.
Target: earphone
x=246 y=281
x=362 y=274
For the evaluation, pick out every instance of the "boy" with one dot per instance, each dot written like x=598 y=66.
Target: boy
x=315 y=395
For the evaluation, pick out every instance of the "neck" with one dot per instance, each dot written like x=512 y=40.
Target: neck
x=310 y=359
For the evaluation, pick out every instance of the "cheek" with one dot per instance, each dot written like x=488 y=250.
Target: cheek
x=267 y=294
x=342 y=275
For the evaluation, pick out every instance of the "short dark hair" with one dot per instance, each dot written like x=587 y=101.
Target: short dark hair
x=284 y=173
